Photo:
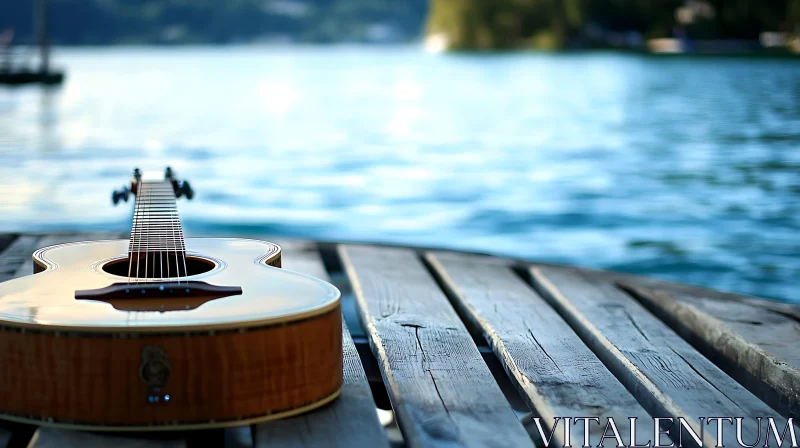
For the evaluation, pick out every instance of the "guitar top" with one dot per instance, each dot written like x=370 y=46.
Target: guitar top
x=268 y=295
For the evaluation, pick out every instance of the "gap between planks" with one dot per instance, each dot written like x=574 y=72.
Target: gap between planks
x=349 y=421
x=753 y=340
x=666 y=374
x=548 y=363
x=757 y=347
x=441 y=390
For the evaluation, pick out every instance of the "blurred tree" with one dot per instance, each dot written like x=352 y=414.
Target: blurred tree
x=501 y=24
x=793 y=16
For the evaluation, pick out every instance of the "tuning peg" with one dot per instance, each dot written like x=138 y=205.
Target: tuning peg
x=120 y=194
x=183 y=188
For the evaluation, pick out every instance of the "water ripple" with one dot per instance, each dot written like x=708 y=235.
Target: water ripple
x=685 y=169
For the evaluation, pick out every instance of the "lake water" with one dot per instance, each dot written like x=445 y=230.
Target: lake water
x=681 y=168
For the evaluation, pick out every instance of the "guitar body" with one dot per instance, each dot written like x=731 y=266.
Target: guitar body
x=74 y=353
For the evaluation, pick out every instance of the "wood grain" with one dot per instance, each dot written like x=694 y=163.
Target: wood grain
x=741 y=339
x=59 y=438
x=759 y=325
x=548 y=363
x=789 y=310
x=232 y=375
x=351 y=420
x=667 y=375
x=441 y=391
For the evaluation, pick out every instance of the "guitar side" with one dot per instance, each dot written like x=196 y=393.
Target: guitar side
x=90 y=365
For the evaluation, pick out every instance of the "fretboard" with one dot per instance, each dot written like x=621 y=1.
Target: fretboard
x=156 y=246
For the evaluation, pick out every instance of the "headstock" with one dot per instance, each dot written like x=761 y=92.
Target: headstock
x=181 y=187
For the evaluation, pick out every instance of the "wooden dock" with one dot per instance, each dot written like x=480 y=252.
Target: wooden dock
x=465 y=349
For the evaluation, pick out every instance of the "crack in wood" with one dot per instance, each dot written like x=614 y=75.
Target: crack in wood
x=543 y=349
x=785 y=314
x=638 y=328
x=706 y=379
x=428 y=369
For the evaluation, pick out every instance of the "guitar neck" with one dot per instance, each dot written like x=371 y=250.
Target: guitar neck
x=156 y=227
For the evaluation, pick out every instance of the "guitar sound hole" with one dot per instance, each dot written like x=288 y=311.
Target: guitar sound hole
x=156 y=265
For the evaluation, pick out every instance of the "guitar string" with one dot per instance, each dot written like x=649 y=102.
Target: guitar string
x=157 y=241
x=157 y=213
x=146 y=245
x=139 y=200
x=167 y=247
x=183 y=250
x=175 y=244
x=147 y=234
x=140 y=233
x=132 y=240
x=159 y=234
x=161 y=243
x=158 y=247
x=158 y=244
x=162 y=237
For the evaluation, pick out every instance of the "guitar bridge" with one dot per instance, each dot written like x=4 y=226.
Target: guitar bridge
x=161 y=296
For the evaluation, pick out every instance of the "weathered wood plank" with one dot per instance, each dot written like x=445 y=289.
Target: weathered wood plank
x=787 y=309
x=761 y=326
x=548 y=363
x=59 y=438
x=441 y=391
x=773 y=328
x=773 y=331
x=757 y=347
x=17 y=253
x=351 y=420
x=5 y=240
x=667 y=375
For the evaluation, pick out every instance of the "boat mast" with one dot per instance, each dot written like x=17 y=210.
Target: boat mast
x=42 y=38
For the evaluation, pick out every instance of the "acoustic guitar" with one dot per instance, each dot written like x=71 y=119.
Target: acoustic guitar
x=162 y=332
